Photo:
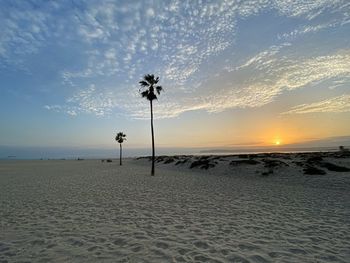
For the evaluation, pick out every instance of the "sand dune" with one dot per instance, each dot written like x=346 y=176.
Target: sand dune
x=89 y=211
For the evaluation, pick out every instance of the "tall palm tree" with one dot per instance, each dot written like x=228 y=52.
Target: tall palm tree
x=120 y=138
x=148 y=90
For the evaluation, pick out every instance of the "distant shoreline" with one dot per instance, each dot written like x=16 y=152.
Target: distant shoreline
x=216 y=153
x=279 y=149
x=37 y=153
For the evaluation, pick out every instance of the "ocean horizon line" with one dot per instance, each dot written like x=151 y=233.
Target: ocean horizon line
x=74 y=154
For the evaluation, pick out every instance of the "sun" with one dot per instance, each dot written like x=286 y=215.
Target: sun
x=278 y=142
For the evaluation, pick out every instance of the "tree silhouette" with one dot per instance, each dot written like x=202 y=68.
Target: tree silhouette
x=120 y=138
x=148 y=90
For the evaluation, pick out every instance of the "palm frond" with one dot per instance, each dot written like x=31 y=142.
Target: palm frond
x=144 y=83
x=149 y=78
x=121 y=137
x=145 y=94
x=159 y=89
x=149 y=81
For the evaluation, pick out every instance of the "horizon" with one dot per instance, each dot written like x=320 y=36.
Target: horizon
x=236 y=75
x=35 y=153
x=81 y=154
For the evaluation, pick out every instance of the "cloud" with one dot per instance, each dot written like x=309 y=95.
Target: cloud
x=181 y=36
x=72 y=111
x=308 y=29
x=335 y=105
x=270 y=81
x=143 y=27
x=117 y=42
x=24 y=30
x=92 y=101
x=262 y=59
x=271 y=74
x=339 y=82
x=89 y=101
x=150 y=12
x=53 y=107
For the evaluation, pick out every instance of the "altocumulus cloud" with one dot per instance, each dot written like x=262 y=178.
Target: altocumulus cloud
x=176 y=40
x=336 y=104
x=273 y=75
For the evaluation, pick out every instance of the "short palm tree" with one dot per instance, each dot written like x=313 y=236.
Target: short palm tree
x=120 y=138
x=148 y=90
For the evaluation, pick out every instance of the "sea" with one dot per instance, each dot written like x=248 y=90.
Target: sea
x=41 y=153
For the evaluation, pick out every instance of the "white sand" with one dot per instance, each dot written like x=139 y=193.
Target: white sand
x=88 y=211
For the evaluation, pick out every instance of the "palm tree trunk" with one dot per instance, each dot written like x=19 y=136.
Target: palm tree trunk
x=120 y=155
x=153 y=151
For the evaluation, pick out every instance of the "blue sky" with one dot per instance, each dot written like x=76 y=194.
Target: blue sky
x=234 y=72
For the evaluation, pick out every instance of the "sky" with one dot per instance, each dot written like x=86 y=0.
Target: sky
x=251 y=73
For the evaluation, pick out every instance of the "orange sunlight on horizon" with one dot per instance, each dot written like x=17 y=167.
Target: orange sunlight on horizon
x=248 y=131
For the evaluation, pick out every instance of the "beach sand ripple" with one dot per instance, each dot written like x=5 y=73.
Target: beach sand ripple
x=88 y=211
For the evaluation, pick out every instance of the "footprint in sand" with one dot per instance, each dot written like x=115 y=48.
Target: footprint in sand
x=201 y=244
x=247 y=246
x=183 y=251
x=50 y=246
x=136 y=248
x=238 y=259
x=75 y=242
x=93 y=248
x=120 y=242
x=162 y=245
x=3 y=247
x=201 y=258
x=259 y=259
x=297 y=251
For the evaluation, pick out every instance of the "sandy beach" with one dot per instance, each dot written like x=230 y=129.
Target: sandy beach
x=93 y=211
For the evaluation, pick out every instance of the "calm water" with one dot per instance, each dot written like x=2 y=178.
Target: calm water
x=15 y=153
